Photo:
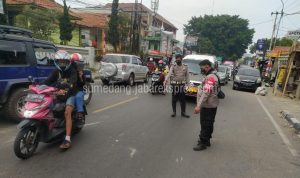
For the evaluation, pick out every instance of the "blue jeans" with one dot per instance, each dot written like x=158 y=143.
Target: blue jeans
x=79 y=101
x=70 y=101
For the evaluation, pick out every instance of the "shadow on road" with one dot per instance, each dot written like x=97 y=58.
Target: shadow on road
x=4 y=122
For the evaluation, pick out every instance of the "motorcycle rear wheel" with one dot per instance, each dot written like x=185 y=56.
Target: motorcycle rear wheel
x=25 y=144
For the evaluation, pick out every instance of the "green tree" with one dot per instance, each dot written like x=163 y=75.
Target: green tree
x=222 y=35
x=39 y=21
x=113 y=32
x=123 y=29
x=65 y=25
x=3 y=17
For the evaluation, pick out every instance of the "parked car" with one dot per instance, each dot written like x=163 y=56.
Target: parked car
x=247 y=78
x=223 y=73
x=122 y=68
x=192 y=61
x=22 y=56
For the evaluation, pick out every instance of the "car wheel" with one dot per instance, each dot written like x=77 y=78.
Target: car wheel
x=14 y=105
x=233 y=87
x=131 y=80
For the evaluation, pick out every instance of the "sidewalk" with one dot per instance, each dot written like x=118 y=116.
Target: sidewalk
x=288 y=108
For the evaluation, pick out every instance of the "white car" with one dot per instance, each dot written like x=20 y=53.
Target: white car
x=192 y=61
x=122 y=68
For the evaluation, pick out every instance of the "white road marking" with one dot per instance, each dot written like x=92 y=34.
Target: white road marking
x=115 y=105
x=279 y=130
x=93 y=123
x=132 y=152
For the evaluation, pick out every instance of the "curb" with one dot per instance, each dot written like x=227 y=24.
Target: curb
x=291 y=119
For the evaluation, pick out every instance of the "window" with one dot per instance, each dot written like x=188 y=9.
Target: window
x=116 y=59
x=139 y=62
x=134 y=61
x=12 y=53
x=44 y=55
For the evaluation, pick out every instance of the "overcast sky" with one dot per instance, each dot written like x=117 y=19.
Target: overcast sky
x=258 y=12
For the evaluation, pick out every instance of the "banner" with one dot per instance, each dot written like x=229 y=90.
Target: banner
x=1 y=7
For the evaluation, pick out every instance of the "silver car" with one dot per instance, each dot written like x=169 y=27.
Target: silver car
x=122 y=68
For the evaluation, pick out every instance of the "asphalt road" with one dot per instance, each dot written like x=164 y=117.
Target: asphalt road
x=134 y=136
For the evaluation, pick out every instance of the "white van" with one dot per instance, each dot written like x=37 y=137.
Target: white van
x=192 y=61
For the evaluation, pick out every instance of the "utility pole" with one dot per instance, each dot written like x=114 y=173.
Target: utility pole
x=281 y=16
x=274 y=28
x=135 y=41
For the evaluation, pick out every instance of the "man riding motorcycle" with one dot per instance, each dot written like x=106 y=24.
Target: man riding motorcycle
x=78 y=63
x=65 y=78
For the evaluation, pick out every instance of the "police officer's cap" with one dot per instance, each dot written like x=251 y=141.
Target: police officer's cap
x=178 y=56
x=205 y=62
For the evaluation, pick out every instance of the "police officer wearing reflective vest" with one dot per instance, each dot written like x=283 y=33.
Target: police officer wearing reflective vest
x=179 y=75
x=207 y=103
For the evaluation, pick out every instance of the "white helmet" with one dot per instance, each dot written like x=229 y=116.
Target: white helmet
x=151 y=59
x=62 y=60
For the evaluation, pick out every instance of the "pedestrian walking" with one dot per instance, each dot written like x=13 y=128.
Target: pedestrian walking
x=179 y=75
x=207 y=103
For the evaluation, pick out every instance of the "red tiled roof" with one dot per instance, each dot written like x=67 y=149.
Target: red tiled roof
x=84 y=19
x=49 y=4
x=92 y=20
x=129 y=7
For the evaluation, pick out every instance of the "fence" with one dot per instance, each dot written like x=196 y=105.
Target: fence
x=88 y=53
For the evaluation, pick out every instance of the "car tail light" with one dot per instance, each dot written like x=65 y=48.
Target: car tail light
x=124 y=67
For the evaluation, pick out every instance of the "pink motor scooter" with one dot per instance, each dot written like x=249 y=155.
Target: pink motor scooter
x=44 y=120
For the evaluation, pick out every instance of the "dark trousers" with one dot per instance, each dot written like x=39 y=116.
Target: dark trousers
x=207 y=119
x=178 y=93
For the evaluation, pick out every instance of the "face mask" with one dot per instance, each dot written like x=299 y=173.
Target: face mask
x=203 y=71
x=178 y=63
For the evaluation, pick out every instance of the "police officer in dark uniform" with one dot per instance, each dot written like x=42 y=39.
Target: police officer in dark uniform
x=179 y=75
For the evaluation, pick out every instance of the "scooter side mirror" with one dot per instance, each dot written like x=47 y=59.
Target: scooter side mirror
x=30 y=79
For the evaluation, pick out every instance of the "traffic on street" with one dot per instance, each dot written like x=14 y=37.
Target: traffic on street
x=112 y=89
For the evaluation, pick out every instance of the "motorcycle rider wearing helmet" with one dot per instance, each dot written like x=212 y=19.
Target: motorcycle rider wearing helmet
x=78 y=63
x=162 y=68
x=64 y=77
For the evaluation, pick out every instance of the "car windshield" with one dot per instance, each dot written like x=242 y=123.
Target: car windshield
x=249 y=72
x=193 y=65
x=221 y=69
x=116 y=59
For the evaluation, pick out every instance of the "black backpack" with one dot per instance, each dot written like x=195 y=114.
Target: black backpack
x=221 y=94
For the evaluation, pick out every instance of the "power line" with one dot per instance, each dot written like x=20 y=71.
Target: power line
x=263 y=22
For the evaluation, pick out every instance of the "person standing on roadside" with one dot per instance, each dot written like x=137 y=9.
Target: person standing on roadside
x=207 y=103
x=179 y=74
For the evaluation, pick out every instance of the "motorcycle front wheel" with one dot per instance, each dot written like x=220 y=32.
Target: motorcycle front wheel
x=26 y=142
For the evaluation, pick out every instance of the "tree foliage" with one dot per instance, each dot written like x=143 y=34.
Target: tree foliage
x=113 y=31
x=123 y=29
x=222 y=35
x=39 y=21
x=65 y=25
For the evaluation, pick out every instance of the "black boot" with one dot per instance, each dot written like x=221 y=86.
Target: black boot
x=184 y=115
x=174 y=114
x=207 y=143
x=200 y=147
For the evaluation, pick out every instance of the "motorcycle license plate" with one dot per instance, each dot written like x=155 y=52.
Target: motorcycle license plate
x=34 y=98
